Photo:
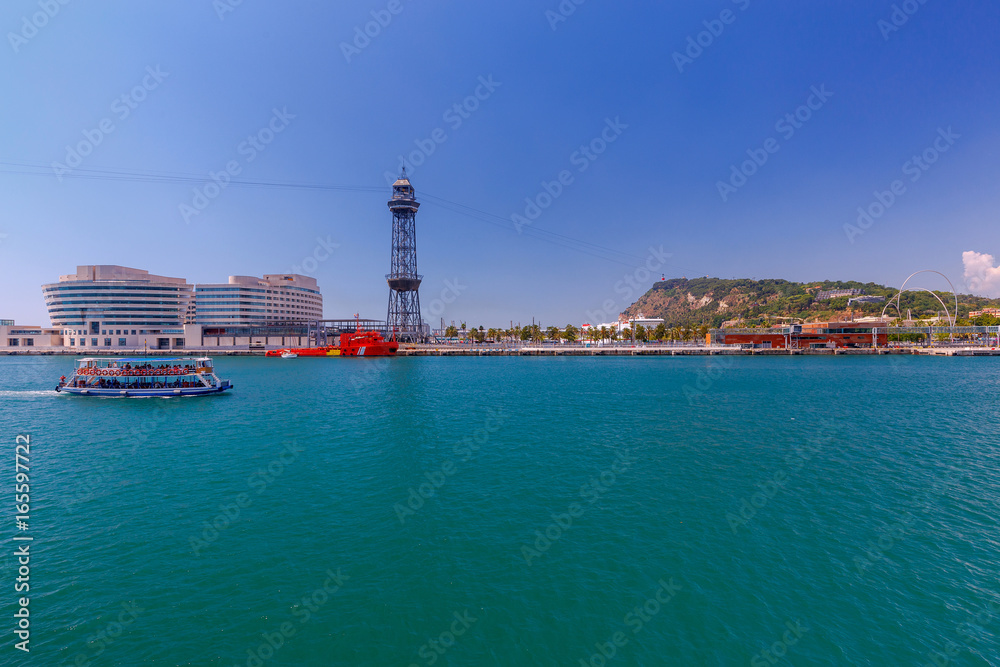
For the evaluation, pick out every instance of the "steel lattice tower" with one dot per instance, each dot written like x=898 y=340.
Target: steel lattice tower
x=403 y=320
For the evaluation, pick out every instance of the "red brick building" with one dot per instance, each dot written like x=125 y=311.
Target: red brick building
x=804 y=336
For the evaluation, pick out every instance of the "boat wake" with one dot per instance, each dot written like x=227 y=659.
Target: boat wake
x=26 y=393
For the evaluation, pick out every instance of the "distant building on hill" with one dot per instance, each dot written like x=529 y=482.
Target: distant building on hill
x=834 y=293
x=995 y=312
x=867 y=298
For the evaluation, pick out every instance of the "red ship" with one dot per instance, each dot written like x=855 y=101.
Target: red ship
x=359 y=344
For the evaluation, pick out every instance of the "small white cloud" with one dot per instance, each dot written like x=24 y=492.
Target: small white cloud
x=981 y=276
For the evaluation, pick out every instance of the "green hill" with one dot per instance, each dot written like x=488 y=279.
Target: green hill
x=712 y=301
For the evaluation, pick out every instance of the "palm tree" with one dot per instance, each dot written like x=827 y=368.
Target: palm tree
x=604 y=333
x=451 y=331
x=660 y=332
x=676 y=333
x=569 y=333
x=640 y=332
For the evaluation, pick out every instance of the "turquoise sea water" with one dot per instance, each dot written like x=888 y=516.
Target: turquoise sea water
x=661 y=511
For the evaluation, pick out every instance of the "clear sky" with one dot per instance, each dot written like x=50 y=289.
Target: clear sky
x=663 y=119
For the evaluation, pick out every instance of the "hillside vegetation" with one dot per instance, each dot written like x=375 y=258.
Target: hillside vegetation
x=712 y=301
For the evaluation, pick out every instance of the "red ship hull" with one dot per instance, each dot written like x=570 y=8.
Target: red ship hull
x=360 y=344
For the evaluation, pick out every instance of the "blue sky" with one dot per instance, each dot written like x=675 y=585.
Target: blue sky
x=200 y=78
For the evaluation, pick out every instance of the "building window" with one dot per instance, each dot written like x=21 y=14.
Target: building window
x=118 y=332
x=133 y=332
x=29 y=342
x=94 y=328
x=72 y=342
x=107 y=342
x=121 y=342
x=12 y=342
x=103 y=332
x=93 y=342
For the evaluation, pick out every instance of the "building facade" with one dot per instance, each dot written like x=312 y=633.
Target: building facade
x=116 y=308
x=110 y=306
x=834 y=293
x=803 y=336
x=247 y=301
x=29 y=338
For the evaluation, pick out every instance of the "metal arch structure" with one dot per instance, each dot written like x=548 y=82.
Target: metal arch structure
x=403 y=320
x=902 y=288
x=951 y=322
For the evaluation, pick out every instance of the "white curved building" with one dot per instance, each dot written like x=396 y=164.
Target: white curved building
x=250 y=300
x=110 y=306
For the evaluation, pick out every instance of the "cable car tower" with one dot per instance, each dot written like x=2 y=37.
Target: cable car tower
x=403 y=320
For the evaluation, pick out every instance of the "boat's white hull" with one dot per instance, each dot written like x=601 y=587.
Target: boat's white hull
x=134 y=393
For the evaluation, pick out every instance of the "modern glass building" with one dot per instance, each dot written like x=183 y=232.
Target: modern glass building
x=247 y=300
x=109 y=306
x=116 y=307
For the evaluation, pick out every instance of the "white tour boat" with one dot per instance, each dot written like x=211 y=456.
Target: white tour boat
x=182 y=376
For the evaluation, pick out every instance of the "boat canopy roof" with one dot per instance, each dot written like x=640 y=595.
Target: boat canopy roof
x=144 y=360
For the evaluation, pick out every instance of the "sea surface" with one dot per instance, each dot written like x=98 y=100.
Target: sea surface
x=513 y=511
